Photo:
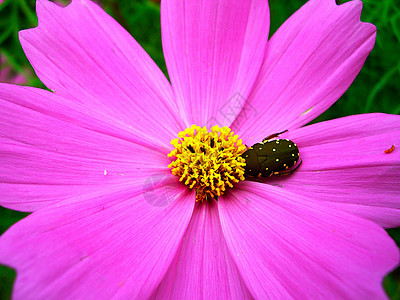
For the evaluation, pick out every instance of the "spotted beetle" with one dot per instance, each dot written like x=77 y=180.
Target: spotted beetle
x=272 y=157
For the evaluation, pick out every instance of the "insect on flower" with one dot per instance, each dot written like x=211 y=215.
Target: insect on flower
x=390 y=150
x=272 y=157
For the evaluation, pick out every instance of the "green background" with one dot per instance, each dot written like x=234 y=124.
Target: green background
x=376 y=89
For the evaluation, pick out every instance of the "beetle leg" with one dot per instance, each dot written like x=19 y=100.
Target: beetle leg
x=273 y=136
x=289 y=172
x=257 y=178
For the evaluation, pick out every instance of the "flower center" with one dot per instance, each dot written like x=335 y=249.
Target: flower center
x=208 y=161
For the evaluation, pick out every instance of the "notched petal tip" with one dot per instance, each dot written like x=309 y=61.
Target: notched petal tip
x=356 y=6
x=43 y=7
x=350 y=7
x=334 y=44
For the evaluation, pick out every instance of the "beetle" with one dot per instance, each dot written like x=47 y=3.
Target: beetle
x=272 y=157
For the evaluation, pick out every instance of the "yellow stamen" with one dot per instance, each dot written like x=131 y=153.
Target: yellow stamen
x=208 y=161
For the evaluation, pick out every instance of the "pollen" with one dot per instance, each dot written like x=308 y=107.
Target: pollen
x=208 y=161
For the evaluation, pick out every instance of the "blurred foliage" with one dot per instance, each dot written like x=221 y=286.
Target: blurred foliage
x=376 y=89
x=7 y=275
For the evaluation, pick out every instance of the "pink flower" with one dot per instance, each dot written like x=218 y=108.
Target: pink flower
x=90 y=158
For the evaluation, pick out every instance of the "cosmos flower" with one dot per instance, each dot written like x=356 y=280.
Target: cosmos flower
x=90 y=158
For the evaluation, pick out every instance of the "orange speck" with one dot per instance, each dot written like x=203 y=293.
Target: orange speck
x=387 y=151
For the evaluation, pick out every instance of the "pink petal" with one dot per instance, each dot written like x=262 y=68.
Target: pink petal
x=310 y=62
x=213 y=50
x=344 y=162
x=52 y=149
x=97 y=247
x=83 y=54
x=203 y=267
x=289 y=246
